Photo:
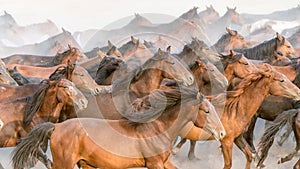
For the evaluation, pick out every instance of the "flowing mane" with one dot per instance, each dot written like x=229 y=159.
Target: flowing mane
x=65 y=71
x=262 y=51
x=150 y=107
x=35 y=101
x=107 y=66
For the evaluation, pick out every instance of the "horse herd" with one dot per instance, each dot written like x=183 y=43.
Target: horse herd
x=125 y=108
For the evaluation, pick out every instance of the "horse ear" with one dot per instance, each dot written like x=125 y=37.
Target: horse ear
x=15 y=68
x=231 y=32
x=109 y=44
x=227 y=8
x=169 y=49
x=234 y=8
x=279 y=37
x=207 y=7
x=134 y=41
x=160 y=52
x=70 y=46
x=211 y=7
x=232 y=53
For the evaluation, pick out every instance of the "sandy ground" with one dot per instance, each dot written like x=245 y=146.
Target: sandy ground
x=208 y=155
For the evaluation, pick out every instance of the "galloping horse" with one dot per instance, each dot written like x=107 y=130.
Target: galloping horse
x=236 y=65
x=18 y=117
x=142 y=140
x=79 y=76
x=237 y=113
x=73 y=54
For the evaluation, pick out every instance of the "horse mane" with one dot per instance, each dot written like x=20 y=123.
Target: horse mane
x=150 y=107
x=35 y=101
x=220 y=44
x=60 y=56
x=65 y=71
x=225 y=60
x=105 y=69
x=261 y=51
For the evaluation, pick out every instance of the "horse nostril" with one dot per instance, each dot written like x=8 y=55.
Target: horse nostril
x=97 y=90
x=222 y=134
x=82 y=102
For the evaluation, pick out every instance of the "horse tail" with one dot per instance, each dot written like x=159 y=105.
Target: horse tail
x=26 y=152
x=268 y=137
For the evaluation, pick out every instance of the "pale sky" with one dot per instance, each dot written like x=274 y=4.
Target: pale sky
x=76 y=15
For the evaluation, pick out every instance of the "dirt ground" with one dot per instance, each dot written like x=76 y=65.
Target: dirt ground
x=208 y=155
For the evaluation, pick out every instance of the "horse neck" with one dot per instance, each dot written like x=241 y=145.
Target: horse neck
x=245 y=109
x=148 y=81
x=260 y=51
x=219 y=46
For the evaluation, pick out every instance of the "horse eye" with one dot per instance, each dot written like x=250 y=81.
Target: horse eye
x=170 y=62
x=288 y=46
x=282 y=80
x=212 y=70
x=207 y=112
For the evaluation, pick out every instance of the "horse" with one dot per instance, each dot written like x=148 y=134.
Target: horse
x=209 y=15
x=20 y=79
x=5 y=77
x=79 y=76
x=265 y=50
x=19 y=116
x=236 y=65
x=292 y=117
x=236 y=115
x=73 y=54
x=215 y=29
x=231 y=40
x=138 y=83
x=147 y=131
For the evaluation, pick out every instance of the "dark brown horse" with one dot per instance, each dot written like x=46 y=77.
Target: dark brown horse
x=265 y=50
x=73 y=54
x=293 y=118
x=142 y=140
x=18 y=117
x=237 y=115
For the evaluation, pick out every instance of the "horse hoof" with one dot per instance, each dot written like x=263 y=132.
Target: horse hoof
x=175 y=151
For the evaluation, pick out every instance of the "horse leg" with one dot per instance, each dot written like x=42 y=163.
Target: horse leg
x=248 y=135
x=44 y=159
x=245 y=148
x=179 y=145
x=191 y=154
x=297 y=165
x=168 y=165
x=285 y=135
x=227 y=152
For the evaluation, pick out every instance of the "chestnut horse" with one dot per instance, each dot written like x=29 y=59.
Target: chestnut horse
x=79 y=76
x=142 y=140
x=18 y=117
x=231 y=40
x=293 y=118
x=236 y=65
x=238 y=113
x=73 y=54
